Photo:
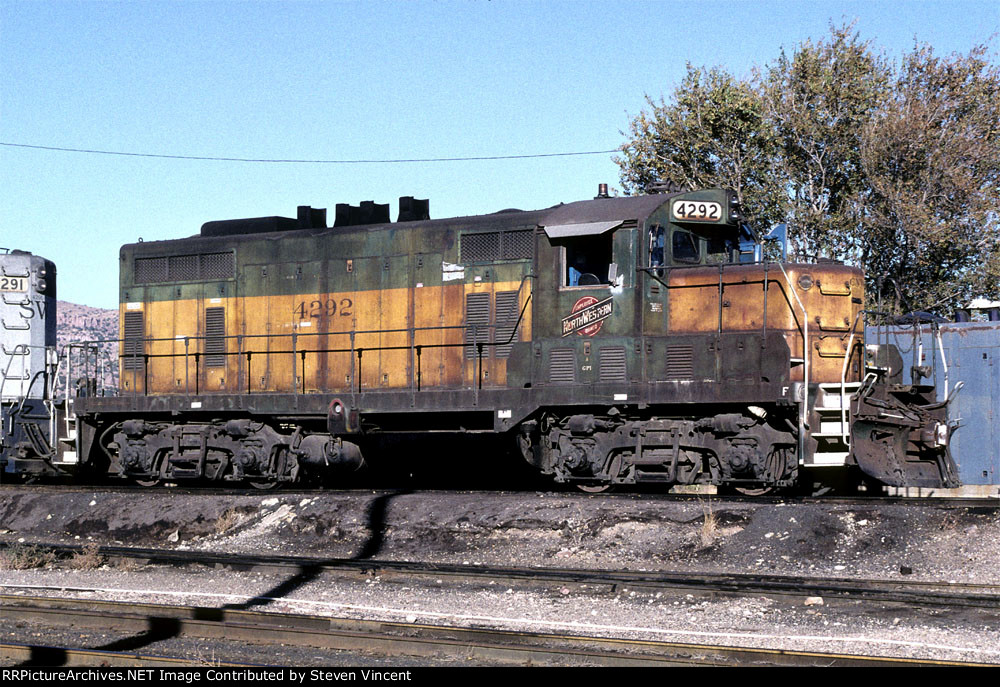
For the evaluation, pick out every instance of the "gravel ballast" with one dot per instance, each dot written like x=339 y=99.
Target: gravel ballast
x=927 y=541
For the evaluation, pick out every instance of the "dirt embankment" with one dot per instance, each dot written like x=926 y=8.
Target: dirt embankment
x=524 y=529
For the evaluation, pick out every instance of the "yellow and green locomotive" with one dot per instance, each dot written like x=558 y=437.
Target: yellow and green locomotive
x=617 y=340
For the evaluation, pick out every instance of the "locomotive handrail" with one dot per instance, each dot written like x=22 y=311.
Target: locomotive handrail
x=20 y=350
x=944 y=359
x=652 y=271
x=138 y=349
x=845 y=433
x=666 y=269
x=764 y=282
x=135 y=351
x=24 y=392
x=805 y=364
x=3 y=382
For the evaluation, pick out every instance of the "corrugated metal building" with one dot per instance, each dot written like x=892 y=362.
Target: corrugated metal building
x=972 y=353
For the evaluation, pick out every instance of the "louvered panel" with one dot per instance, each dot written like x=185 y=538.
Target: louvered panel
x=215 y=337
x=680 y=362
x=562 y=366
x=133 y=348
x=507 y=316
x=477 y=312
x=612 y=364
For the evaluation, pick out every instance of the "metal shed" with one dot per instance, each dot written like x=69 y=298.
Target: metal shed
x=972 y=356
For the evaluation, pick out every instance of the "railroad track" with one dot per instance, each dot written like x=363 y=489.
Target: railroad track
x=990 y=504
x=24 y=655
x=592 y=582
x=475 y=645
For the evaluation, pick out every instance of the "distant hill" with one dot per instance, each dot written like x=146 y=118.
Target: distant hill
x=76 y=323
x=83 y=323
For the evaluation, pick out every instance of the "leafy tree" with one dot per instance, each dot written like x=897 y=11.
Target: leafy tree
x=715 y=133
x=819 y=101
x=931 y=160
x=895 y=168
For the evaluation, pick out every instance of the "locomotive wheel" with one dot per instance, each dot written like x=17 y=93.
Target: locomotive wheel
x=593 y=488
x=755 y=491
x=146 y=482
x=263 y=486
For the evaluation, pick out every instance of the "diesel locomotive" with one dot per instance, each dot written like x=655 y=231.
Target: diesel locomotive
x=618 y=340
x=27 y=361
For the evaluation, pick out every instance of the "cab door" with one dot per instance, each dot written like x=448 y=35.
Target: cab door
x=586 y=305
x=653 y=258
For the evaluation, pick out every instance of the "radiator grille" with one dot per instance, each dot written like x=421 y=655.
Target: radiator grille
x=496 y=245
x=483 y=247
x=215 y=337
x=680 y=362
x=612 y=364
x=518 y=245
x=477 y=312
x=182 y=268
x=133 y=347
x=507 y=316
x=175 y=268
x=150 y=270
x=562 y=366
x=217 y=265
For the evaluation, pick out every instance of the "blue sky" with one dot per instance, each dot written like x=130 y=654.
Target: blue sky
x=352 y=80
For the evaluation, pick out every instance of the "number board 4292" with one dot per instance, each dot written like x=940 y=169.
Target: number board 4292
x=696 y=211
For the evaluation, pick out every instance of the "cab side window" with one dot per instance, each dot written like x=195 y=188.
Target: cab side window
x=684 y=247
x=656 y=239
x=588 y=260
x=720 y=250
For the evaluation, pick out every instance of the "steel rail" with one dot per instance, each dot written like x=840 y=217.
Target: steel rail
x=924 y=593
x=26 y=655
x=123 y=486
x=409 y=639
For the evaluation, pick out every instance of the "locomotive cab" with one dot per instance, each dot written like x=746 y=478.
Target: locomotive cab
x=703 y=230
x=684 y=363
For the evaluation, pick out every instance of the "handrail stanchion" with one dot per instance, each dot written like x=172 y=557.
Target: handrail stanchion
x=478 y=384
x=418 y=367
x=354 y=399
x=805 y=364
x=360 y=353
x=303 y=354
x=763 y=339
x=413 y=362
